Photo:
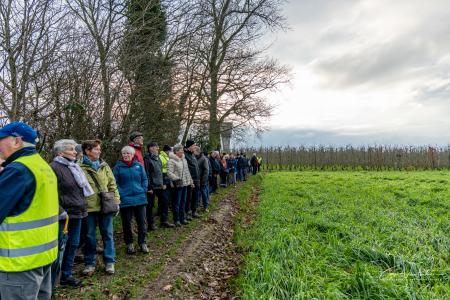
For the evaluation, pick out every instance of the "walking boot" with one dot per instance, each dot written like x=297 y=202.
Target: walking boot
x=167 y=225
x=130 y=249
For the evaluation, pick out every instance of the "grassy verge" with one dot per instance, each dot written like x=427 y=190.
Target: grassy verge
x=247 y=199
x=349 y=235
x=135 y=272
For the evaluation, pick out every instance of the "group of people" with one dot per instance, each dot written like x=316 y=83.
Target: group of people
x=48 y=212
x=232 y=168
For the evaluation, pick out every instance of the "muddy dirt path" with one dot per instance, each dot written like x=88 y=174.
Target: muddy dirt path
x=204 y=261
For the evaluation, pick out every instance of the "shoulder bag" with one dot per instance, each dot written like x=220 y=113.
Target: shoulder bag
x=107 y=199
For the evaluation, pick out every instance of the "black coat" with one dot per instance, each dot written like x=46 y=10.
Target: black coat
x=71 y=197
x=203 y=167
x=153 y=167
x=215 y=166
x=193 y=166
x=253 y=161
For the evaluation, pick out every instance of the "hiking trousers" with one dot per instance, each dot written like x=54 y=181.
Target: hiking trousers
x=27 y=285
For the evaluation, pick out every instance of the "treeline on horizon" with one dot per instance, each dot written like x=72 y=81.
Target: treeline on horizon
x=353 y=157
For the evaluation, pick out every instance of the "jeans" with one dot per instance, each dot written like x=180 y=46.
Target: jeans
x=178 y=203
x=71 y=247
x=126 y=214
x=105 y=224
x=204 y=190
x=240 y=174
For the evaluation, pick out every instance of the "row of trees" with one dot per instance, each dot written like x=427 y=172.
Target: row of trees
x=355 y=158
x=169 y=68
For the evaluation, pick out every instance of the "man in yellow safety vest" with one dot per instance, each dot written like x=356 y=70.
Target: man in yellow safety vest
x=28 y=216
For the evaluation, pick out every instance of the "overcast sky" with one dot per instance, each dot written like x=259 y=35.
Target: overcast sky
x=364 y=72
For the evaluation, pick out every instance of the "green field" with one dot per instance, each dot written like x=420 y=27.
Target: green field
x=349 y=235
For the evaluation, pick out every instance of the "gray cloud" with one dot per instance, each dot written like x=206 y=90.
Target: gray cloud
x=378 y=64
x=320 y=33
x=439 y=93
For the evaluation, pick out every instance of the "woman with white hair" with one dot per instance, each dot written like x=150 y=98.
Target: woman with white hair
x=132 y=182
x=73 y=188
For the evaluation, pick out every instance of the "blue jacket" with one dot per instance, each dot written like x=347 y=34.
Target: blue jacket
x=232 y=165
x=17 y=185
x=132 y=183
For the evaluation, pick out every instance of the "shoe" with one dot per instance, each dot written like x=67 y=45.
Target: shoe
x=71 y=281
x=79 y=258
x=130 y=249
x=89 y=270
x=185 y=222
x=177 y=224
x=195 y=215
x=110 y=268
x=188 y=218
x=167 y=225
x=144 y=248
x=152 y=227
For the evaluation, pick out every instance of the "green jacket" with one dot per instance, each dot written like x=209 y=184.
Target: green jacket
x=105 y=178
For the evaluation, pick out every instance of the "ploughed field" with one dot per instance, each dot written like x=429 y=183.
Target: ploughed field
x=349 y=235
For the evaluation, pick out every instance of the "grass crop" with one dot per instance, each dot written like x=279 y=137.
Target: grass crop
x=349 y=235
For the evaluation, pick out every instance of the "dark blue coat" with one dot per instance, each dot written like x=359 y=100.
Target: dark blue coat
x=232 y=165
x=17 y=185
x=215 y=167
x=132 y=183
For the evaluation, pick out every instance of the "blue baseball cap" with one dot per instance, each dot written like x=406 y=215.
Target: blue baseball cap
x=19 y=129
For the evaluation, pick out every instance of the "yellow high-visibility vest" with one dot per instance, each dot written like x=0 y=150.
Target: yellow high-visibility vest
x=164 y=159
x=30 y=239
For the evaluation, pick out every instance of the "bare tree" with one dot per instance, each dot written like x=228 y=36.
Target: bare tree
x=30 y=35
x=189 y=72
x=103 y=20
x=238 y=73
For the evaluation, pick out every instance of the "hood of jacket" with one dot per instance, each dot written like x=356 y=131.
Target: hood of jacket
x=122 y=164
x=173 y=156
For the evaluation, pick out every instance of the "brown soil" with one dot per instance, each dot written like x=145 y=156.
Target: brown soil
x=204 y=262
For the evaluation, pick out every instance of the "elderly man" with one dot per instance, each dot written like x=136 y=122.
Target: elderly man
x=203 y=167
x=28 y=216
x=192 y=192
x=137 y=142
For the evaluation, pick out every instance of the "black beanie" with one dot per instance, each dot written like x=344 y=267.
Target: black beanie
x=189 y=143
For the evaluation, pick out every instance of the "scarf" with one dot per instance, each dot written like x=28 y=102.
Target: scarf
x=78 y=174
x=93 y=164
x=128 y=163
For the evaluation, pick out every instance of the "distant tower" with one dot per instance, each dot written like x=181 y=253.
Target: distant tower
x=225 y=135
